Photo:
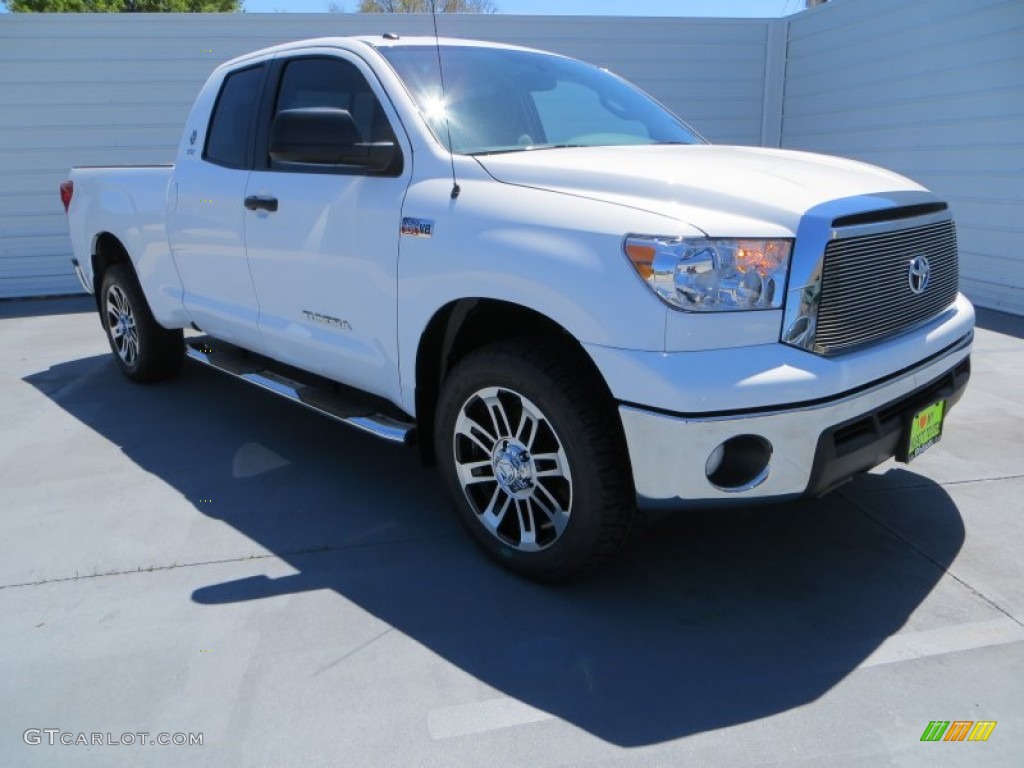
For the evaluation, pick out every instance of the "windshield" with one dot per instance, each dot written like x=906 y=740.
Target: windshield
x=499 y=100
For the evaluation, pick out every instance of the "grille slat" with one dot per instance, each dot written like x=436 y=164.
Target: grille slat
x=894 y=243
x=868 y=256
x=865 y=293
x=890 y=291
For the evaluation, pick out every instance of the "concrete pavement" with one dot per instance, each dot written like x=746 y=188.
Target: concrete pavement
x=200 y=557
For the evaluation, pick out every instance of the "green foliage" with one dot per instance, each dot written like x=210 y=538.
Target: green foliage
x=123 y=6
x=426 y=6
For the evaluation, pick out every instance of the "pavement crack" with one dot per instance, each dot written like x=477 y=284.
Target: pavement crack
x=946 y=484
x=982 y=480
x=893 y=532
x=222 y=561
x=141 y=569
x=354 y=651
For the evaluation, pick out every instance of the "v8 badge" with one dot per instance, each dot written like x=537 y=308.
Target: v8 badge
x=417 y=227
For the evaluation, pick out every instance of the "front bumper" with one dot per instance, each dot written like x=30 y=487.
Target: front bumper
x=813 y=447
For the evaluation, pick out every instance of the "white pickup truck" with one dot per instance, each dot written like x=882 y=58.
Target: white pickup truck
x=572 y=302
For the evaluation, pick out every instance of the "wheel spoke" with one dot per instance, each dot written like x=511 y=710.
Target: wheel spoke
x=547 y=459
x=550 y=504
x=527 y=524
x=499 y=417
x=473 y=431
x=551 y=508
x=502 y=501
x=526 y=432
x=542 y=505
x=469 y=472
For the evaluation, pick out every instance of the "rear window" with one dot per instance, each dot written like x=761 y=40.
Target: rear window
x=227 y=141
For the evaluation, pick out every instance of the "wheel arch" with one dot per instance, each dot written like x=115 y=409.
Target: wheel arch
x=467 y=324
x=106 y=249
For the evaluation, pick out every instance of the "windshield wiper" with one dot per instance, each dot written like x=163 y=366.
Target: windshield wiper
x=531 y=148
x=481 y=152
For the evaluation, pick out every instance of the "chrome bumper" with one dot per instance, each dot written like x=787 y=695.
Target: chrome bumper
x=669 y=453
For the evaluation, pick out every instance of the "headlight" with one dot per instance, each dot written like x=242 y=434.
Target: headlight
x=711 y=274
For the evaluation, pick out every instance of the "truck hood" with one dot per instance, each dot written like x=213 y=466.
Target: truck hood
x=722 y=191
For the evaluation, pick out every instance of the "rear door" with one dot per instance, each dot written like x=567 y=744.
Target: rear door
x=324 y=263
x=205 y=218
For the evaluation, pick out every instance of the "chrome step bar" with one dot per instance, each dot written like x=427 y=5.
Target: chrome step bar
x=259 y=371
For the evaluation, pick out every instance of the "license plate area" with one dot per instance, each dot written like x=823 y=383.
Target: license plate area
x=923 y=429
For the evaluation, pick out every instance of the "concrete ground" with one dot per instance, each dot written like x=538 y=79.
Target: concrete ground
x=200 y=557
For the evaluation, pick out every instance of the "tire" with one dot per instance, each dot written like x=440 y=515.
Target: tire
x=534 y=459
x=144 y=350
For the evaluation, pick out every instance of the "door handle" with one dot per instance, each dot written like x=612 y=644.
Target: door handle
x=261 y=202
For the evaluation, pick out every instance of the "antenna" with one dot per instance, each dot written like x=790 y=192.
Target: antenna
x=456 y=189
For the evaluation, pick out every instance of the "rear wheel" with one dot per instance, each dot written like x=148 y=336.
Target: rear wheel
x=533 y=458
x=143 y=349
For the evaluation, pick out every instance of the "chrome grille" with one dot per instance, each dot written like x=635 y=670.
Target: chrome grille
x=865 y=287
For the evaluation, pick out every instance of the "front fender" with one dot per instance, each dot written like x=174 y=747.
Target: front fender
x=556 y=254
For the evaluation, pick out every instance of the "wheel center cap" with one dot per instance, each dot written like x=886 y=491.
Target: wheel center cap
x=513 y=467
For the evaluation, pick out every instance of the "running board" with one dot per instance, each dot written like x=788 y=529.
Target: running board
x=348 y=406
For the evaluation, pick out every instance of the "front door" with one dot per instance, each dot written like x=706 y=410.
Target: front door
x=324 y=263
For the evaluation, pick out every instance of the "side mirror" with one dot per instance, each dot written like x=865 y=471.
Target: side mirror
x=326 y=136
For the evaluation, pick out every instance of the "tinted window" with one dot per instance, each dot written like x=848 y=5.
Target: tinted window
x=334 y=83
x=228 y=137
x=499 y=100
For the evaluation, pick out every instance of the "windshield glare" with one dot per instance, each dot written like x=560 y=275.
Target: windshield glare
x=498 y=100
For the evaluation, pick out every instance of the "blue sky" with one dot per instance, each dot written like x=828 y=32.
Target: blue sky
x=739 y=8
x=742 y=8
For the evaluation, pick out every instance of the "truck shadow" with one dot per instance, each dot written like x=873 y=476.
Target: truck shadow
x=712 y=618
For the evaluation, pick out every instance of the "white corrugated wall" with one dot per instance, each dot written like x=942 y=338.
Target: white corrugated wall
x=96 y=89
x=930 y=88
x=933 y=89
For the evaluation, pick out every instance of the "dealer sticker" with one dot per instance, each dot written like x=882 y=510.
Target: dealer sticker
x=925 y=429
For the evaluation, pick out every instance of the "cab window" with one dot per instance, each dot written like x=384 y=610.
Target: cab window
x=228 y=138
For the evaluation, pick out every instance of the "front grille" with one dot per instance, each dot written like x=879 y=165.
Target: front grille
x=865 y=287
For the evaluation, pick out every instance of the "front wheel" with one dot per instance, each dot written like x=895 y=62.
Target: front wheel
x=532 y=454
x=143 y=349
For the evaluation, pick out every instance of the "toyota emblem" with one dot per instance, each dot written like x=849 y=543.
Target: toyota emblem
x=919 y=274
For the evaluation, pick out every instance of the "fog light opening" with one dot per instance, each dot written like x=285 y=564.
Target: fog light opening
x=739 y=464
x=714 y=460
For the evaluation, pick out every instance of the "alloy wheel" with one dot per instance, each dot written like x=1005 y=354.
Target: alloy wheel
x=513 y=470
x=121 y=323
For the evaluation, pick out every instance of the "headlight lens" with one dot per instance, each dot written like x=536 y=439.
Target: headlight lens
x=712 y=274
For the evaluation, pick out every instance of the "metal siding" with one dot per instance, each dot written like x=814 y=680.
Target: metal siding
x=108 y=89
x=933 y=89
